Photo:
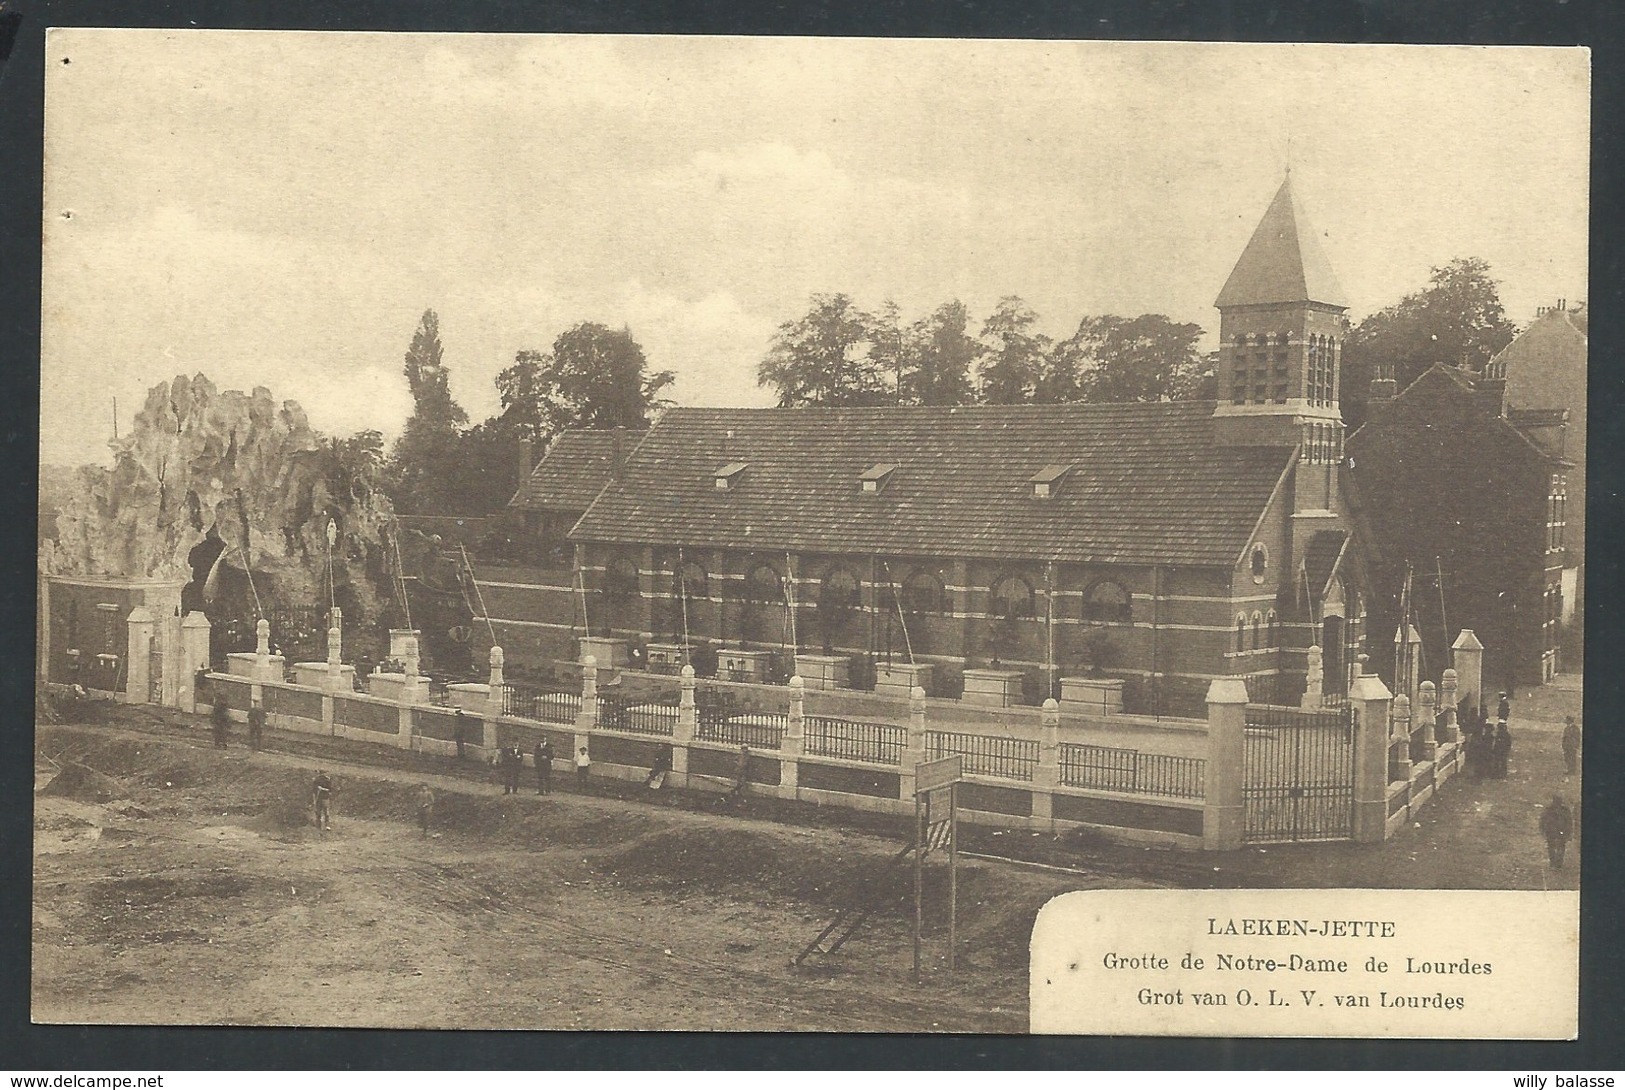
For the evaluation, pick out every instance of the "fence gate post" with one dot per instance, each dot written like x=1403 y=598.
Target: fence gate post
x=1368 y=703
x=1399 y=741
x=1445 y=729
x=1223 y=814
x=1314 y=679
x=1467 y=656
x=138 y=655
x=195 y=652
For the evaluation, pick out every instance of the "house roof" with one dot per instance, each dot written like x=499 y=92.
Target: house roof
x=574 y=470
x=1148 y=483
x=1283 y=262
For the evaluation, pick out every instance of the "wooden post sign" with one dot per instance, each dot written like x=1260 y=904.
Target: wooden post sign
x=936 y=821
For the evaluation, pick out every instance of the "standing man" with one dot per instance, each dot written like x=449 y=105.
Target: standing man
x=543 y=756
x=1503 y=710
x=460 y=731
x=583 y=767
x=220 y=721
x=1501 y=751
x=741 y=771
x=425 y=808
x=321 y=798
x=1556 y=825
x=256 y=725
x=1571 y=744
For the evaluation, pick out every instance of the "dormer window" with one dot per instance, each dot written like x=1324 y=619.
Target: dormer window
x=876 y=476
x=1047 y=481
x=728 y=476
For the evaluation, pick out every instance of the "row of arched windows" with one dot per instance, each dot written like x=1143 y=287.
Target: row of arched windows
x=1260 y=376
x=1322 y=370
x=1261 y=631
x=1013 y=597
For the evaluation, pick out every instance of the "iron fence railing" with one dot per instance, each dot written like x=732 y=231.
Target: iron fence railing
x=763 y=730
x=877 y=743
x=542 y=705
x=620 y=713
x=1105 y=768
x=986 y=754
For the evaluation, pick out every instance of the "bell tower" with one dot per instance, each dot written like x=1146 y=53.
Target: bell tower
x=1281 y=330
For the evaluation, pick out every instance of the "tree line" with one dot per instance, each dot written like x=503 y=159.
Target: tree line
x=840 y=354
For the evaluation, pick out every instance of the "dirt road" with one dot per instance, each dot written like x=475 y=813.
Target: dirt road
x=178 y=884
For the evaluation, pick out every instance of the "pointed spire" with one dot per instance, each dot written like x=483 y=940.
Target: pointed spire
x=1282 y=262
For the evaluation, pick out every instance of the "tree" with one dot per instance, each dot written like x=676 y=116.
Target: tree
x=596 y=377
x=1457 y=319
x=420 y=466
x=825 y=358
x=1015 y=354
x=1149 y=358
x=938 y=358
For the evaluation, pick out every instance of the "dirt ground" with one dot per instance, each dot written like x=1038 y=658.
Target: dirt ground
x=178 y=884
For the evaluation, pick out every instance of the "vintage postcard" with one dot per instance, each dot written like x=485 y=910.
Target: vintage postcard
x=705 y=533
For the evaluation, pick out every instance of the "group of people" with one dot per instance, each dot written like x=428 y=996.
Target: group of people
x=220 y=724
x=1488 y=748
x=510 y=762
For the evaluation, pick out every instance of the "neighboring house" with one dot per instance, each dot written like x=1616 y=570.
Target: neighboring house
x=1470 y=495
x=525 y=570
x=1163 y=543
x=1545 y=371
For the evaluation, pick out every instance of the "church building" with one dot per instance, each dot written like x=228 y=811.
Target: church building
x=1159 y=544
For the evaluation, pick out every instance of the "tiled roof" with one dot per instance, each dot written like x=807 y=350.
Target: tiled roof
x=1283 y=262
x=1148 y=484
x=1320 y=559
x=574 y=470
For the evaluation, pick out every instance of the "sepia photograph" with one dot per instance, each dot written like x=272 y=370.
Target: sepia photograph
x=586 y=532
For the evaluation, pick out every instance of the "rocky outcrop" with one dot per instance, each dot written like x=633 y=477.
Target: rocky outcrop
x=242 y=470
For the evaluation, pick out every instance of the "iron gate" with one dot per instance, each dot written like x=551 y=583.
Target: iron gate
x=1298 y=774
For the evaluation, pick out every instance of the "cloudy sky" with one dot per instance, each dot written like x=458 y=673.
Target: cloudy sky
x=278 y=209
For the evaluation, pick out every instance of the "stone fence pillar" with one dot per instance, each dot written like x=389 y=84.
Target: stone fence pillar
x=914 y=751
x=587 y=717
x=196 y=654
x=1368 y=701
x=1399 y=740
x=1047 y=776
x=1424 y=742
x=1446 y=728
x=496 y=702
x=1467 y=656
x=1315 y=674
x=795 y=739
x=1223 y=813
x=688 y=723
x=142 y=626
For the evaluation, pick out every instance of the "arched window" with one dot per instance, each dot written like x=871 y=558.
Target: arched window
x=923 y=592
x=838 y=591
x=1258 y=630
x=1241 y=632
x=764 y=585
x=1272 y=629
x=620 y=580
x=1259 y=561
x=694 y=584
x=1012 y=598
x=1107 y=601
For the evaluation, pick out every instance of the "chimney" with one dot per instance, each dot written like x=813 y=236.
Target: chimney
x=1384 y=387
x=617 y=457
x=525 y=463
x=1491 y=395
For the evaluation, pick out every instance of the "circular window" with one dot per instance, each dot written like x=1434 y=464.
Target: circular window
x=1260 y=562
